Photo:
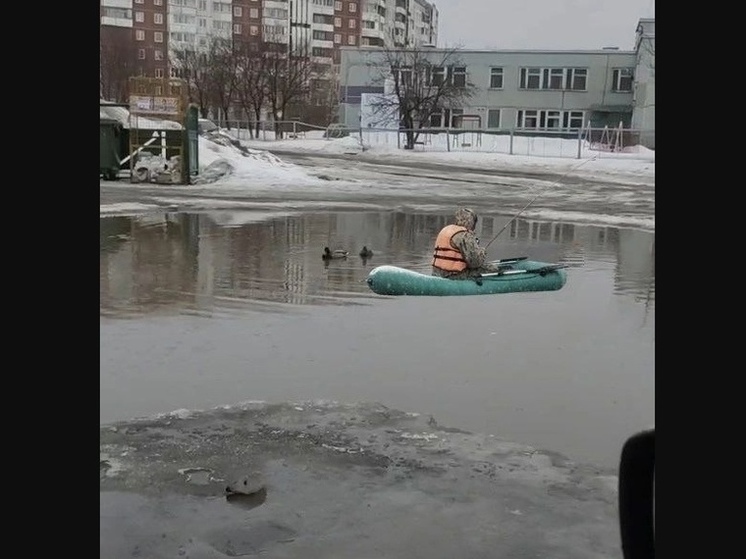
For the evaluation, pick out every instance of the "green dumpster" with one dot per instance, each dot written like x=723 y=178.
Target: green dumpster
x=110 y=148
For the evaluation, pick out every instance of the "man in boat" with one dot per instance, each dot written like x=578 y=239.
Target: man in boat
x=457 y=252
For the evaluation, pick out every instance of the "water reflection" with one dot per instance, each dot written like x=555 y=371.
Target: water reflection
x=201 y=261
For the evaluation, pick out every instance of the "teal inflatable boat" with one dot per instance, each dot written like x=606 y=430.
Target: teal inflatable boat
x=515 y=275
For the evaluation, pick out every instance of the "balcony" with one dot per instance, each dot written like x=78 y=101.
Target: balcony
x=322 y=60
x=116 y=21
x=274 y=21
x=276 y=38
x=117 y=4
x=372 y=33
x=182 y=27
x=325 y=10
x=323 y=27
x=322 y=43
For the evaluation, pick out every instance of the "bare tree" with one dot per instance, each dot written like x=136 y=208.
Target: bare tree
x=251 y=86
x=287 y=75
x=193 y=68
x=424 y=82
x=222 y=76
x=116 y=65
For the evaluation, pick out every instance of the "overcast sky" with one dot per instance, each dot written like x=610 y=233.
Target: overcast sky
x=540 y=24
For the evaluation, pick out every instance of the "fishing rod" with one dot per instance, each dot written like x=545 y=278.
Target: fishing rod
x=536 y=197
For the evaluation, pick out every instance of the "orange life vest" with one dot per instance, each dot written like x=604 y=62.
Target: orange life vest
x=445 y=256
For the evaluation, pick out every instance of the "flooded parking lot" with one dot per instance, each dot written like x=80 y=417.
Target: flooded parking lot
x=201 y=310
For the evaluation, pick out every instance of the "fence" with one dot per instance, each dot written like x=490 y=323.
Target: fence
x=267 y=129
x=601 y=142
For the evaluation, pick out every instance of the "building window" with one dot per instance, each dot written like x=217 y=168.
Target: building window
x=139 y=1
x=158 y=19
x=577 y=78
x=369 y=24
x=438 y=75
x=493 y=118
x=351 y=24
x=159 y=72
x=496 y=80
x=549 y=119
x=622 y=79
x=351 y=39
x=337 y=22
x=573 y=119
x=141 y=54
x=352 y=7
x=338 y=6
x=459 y=76
x=436 y=120
x=237 y=11
x=158 y=54
x=323 y=18
x=203 y=22
x=139 y=17
x=158 y=37
x=337 y=38
x=158 y=2
x=236 y=28
x=456 y=119
x=527 y=119
x=253 y=29
x=405 y=74
x=530 y=78
x=139 y=35
x=254 y=13
x=554 y=77
x=552 y=120
x=321 y=52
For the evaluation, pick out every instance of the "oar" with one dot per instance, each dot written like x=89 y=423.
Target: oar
x=509 y=260
x=544 y=270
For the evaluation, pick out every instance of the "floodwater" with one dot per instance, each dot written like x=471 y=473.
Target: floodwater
x=203 y=310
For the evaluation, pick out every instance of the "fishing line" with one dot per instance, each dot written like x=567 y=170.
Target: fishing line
x=536 y=198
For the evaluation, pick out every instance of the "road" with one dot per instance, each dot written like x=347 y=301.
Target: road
x=371 y=183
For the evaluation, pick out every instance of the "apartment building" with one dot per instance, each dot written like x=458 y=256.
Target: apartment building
x=147 y=30
x=526 y=89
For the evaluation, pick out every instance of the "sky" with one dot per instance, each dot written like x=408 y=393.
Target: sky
x=540 y=24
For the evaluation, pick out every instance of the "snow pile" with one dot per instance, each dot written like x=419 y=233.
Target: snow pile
x=224 y=159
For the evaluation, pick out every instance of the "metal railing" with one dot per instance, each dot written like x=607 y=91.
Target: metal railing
x=579 y=143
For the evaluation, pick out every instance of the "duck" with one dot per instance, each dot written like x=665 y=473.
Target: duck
x=334 y=254
x=366 y=252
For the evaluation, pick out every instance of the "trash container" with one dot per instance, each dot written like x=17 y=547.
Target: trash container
x=110 y=148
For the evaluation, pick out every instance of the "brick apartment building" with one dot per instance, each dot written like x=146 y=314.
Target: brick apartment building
x=136 y=36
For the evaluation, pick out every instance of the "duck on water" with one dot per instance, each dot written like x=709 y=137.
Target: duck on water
x=334 y=254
